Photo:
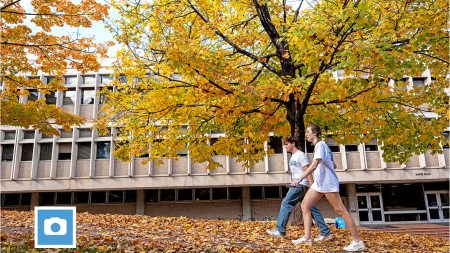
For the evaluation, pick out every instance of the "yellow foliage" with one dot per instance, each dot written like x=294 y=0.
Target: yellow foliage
x=26 y=53
x=251 y=68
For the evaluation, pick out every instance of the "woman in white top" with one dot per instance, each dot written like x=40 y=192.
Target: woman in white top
x=325 y=183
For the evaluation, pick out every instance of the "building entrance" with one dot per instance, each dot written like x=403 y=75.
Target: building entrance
x=438 y=206
x=370 y=208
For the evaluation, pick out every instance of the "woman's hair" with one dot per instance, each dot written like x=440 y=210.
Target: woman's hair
x=292 y=140
x=315 y=129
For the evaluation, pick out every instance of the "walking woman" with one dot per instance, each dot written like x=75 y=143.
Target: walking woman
x=325 y=183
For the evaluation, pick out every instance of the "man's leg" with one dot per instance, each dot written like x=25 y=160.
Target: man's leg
x=292 y=198
x=318 y=218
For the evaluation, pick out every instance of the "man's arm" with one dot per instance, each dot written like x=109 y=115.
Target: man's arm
x=311 y=168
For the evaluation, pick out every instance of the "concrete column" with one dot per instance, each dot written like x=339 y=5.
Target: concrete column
x=246 y=205
x=34 y=200
x=140 y=202
x=353 y=202
x=343 y=157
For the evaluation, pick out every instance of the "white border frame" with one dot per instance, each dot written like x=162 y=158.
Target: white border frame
x=74 y=227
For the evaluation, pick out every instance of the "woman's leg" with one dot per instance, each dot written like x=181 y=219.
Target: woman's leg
x=336 y=202
x=308 y=202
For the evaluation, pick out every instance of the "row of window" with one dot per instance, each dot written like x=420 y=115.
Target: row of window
x=72 y=80
x=69 y=96
x=103 y=147
x=103 y=151
x=30 y=134
x=151 y=195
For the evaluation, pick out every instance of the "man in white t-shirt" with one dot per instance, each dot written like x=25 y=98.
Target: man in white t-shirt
x=297 y=163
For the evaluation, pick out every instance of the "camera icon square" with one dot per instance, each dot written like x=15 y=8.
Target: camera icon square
x=54 y=227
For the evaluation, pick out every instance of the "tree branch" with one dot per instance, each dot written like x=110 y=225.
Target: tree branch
x=6 y=6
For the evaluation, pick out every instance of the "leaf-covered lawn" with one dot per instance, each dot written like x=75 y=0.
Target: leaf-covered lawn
x=136 y=233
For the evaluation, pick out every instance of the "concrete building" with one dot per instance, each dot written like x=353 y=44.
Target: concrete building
x=78 y=168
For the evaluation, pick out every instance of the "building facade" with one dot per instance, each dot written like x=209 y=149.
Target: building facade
x=78 y=168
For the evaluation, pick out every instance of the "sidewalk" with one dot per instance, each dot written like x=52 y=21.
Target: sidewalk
x=433 y=229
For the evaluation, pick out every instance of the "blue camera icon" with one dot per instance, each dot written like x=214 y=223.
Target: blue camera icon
x=54 y=227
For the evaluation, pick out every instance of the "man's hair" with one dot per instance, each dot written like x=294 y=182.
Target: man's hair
x=315 y=129
x=293 y=141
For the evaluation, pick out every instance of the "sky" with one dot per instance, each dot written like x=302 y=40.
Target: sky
x=98 y=29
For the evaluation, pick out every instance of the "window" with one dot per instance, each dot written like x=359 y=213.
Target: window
x=272 y=192
x=106 y=79
x=367 y=188
x=403 y=196
x=105 y=134
x=123 y=78
x=115 y=197
x=202 y=194
x=419 y=81
x=130 y=196
x=351 y=148
x=81 y=197
x=84 y=132
x=371 y=147
x=65 y=151
x=51 y=98
x=256 y=192
x=90 y=79
x=84 y=150
x=276 y=143
x=309 y=147
x=220 y=193
x=9 y=135
x=11 y=199
x=34 y=95
x=98 y=197
x=332 y=144
x=87 y=96
x=70 y=80
x=47 y=198
x=102 y=96
x=64 y=198
x=69 y=96
x=25 y=199
x=103 y=149
x=446 y=142
x=7 y=152
x=46 y=151
x=235 y=192
x=167 y=195
x=44 y=136
x=151 y=196
x=28 y=134
x=65 y=134
x=185 y=195
x=27 y=152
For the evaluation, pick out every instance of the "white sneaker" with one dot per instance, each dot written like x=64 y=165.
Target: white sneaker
x=302 y=241
x=323 y=238
x=275 y=233
x=355 y=246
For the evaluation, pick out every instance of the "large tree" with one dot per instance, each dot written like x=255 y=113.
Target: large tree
x=29 y=47
x=249 y=68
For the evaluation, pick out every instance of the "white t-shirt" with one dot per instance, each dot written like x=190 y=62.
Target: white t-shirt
x=325 y=178
x=296 y=163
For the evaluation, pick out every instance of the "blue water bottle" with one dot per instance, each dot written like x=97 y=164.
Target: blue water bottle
x=339 y=222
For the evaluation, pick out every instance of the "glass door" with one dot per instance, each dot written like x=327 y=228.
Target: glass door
x=438 y=205
x=370 y=208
